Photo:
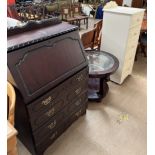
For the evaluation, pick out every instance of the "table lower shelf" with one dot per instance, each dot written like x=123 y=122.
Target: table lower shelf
x=97 y=94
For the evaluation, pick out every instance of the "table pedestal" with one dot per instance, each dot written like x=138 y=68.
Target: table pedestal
x=94 y=95
x=101 y=66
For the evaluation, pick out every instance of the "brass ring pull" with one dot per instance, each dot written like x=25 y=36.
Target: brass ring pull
x=52 y=125
x=46 y=101
x=50 y=112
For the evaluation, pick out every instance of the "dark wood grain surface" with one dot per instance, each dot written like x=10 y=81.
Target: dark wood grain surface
x=39 y=67
x=51 y=77
x=30 y=37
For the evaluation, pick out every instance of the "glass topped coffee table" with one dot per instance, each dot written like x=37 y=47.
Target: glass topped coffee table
x=101 y=66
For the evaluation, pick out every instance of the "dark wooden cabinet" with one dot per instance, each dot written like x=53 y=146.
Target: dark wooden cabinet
x=119 y=2
x=50 y=72
x=137 y=3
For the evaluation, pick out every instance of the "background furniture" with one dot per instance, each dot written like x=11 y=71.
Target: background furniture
x=52 y=9
x=143 y=38
x=67 y=15
x=98 y=34
x=11 y=140
x=119 y=2
x=120 y=36
x=50 y=72
x=87 y=38
x=137 y=3
x=92 y=38
x=11 y=103
x=143 y=43
x=101 y=66
x=77 y=13
x=12 y=12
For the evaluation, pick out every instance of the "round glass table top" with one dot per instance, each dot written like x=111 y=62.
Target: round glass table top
x=100 y=62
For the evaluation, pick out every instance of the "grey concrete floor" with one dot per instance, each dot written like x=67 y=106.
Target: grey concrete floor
x=115 y=126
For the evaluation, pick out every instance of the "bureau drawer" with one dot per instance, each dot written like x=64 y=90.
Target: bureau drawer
x=76 y=115
x=59 y=118
x=48 y=140
x=82 y=100
x=134 y=33
x=137 y=19
x=51 y=98
x=38 y=118
x=51 y=137
x=51 y=126
x=75 y=91
x=45 y=102
x=81 y=76
x=77 y=80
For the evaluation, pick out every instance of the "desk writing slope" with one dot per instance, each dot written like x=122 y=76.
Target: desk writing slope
x=39 y=66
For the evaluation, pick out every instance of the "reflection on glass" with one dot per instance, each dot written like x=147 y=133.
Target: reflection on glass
x=99 y=62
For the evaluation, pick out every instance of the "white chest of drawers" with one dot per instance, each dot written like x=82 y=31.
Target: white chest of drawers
x=120 y=33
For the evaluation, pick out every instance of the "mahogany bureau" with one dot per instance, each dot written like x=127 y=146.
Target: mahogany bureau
x=49 y=70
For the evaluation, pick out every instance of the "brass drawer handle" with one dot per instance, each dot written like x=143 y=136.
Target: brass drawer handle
x=77 y=91
x=46 y=101
x=50 y=112
x=53 y=135
x=52 y=125
x=77 y=114
x=80 y=78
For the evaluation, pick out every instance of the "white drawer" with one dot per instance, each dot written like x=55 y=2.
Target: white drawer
x=137 y=19
x=134 y=33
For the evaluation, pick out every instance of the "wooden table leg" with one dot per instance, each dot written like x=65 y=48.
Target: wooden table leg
x=79 y=24
x=87 y=23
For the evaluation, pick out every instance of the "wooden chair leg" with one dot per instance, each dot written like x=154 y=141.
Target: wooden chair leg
x=143 y=47
x=136 y=57
x=87 y=23
x=145 y=51
x=138 y=47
